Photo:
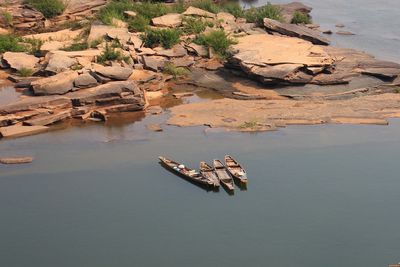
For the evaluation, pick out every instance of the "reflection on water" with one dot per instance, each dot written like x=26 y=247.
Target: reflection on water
x=8 y=94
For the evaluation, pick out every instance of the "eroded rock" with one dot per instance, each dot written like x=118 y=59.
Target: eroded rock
x=55 y=85
x=20 y=60
x=169 y=20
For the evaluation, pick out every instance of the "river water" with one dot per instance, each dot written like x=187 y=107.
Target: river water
x=318 y=195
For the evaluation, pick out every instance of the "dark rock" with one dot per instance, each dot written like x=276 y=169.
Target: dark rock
x=382 y=73
x=295 y=31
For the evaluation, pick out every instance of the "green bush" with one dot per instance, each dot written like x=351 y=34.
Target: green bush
x=11 y=43
x=8 y=18
x=257 y=15
x=25 y=72
x=207 y=5
x=49 y=8
x=111 y=54
x=33 y=46
x=195 y=25
x=76 y=47
x=234 y=9
x=145 y=12
x=164 y=37
x=175 y=71
x=301 y=18
x=218 y=40
x=138 y=23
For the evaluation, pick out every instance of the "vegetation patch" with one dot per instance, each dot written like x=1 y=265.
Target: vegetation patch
x=138 y=23
x=25 y=72
x=301 y=18
x=257 y=15
x=253 y=124
x=195 y=25
x=8 y=18
x=110 y=53
x=164 y=37
x=218 y=40
x=175 y=71
x=10 y=43
x=76 y=47
x=49 y=8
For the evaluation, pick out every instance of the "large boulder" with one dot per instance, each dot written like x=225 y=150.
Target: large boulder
x=55 y=85
x=294 y=30
x=194 y=11
x=59 y=63
x=170 y=20
x=114 y=72
x=20 y=60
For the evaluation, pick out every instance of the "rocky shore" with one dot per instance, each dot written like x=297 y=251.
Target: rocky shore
x=272 y=72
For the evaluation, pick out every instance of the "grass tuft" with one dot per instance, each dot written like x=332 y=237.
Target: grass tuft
x=110 y=53
x=25 y=72
x=164 y=37
x=257 y=15
x=301 y=18
x=49 y=8
x=218 y=40
x=175 y=71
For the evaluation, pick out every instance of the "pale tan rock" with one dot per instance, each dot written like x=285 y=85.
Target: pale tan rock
x=100 y=31
x=194 y=11
x=16 y=160
x=169 y=20
x=263 y=49
x=59 y=63
x=55 y=85
x=176 y=51
x=119 y=23
x=226 y=17
x=3 y=31
x=19 y=130
x=20 y=60
x=53 y=45
x=63 y=35
x=130 y=14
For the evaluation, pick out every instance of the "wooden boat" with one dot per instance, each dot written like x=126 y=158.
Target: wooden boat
x=208 y=172
x=235 y=169
x=223 y=175
x=185 y=172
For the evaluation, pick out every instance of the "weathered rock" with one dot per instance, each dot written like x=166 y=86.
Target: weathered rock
x=383 y=73
x=43 y=120
x=90 y=53
x=115 y=73
x=176 y=51
x=20 y=60
x=34 y=103
x=61 y=36
x=288 y=10
x=55 y=85
x=136 y=41
x=85 y=81
x=295 y=31
x=194 y=11
x=183 y=61
x=154 y=63
x=226 y=17
x=264 y=49
x=16 y=160
x=52 y=45
x=59 y=63
x=111 y=89
x=154 y=127
x=24 y=18
x=19 y=130
x=169 y=20
x=345 y=33
x=79 y=10
x=130 y=14
x=100 y=31
x=197 y=49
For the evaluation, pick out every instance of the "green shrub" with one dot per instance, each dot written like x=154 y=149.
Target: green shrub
x=111 y=54
x=76 y=47
x=207 y=5
x=301 y=18
x=8 y=18
x=175 y=71
x=218 y=40
x=138 y=23
x=25 y=72
x=49 y=8
x=33 y=46
x=10 y=43
x=257 y=15
x=194 y=25
x=234 y=9
x=164 y=37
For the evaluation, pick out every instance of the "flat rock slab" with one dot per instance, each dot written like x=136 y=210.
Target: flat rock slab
x=20 y=60
x=294 y=30
x=115 y=72
x=43 y=120
x=20 y=130
x=98 y=32
x=33 y=103
x=16 y=160
x=85 y=81
x=194 y=11
x=55 y=85
x=59 y=63
x=63 y=35
x=383 y=73
x=176 y=51
x=169 y=20
x=265 y=49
